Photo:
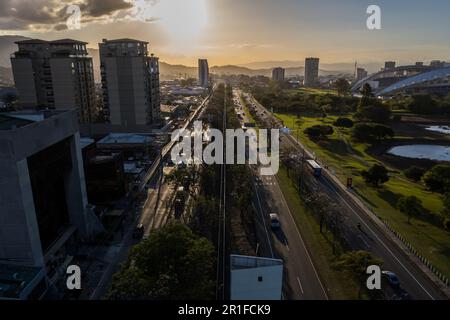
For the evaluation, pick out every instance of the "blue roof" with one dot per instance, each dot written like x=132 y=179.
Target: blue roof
x=417 y=79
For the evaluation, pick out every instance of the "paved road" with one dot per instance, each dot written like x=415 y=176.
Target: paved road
x=301 y=280
x=373 y=238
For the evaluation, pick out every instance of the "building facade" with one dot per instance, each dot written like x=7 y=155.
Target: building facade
x=361 y=73
x=55 y=74
x=311 y=72
x=203 y=73
x=278 y=74
x=130 y=83
x=43 y=201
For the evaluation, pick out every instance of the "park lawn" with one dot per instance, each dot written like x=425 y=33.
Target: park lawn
x=314 y=91
x=339 y=284
x=347 y=159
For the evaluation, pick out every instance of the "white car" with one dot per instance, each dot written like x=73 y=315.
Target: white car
x=274 y=221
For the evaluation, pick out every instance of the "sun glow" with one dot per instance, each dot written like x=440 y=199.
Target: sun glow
x=183 y=20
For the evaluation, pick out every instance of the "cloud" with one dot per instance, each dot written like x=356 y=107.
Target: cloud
x=98 y=8
x=45 y=15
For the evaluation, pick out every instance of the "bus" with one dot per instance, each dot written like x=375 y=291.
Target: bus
x=315 y=168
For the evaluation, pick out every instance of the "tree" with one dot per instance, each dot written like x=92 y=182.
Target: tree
x=438 y=178
x=375 y=112
x=423 y=104
x=355 y=264
x=414 y=173
x=319 y=131
x=342 y=86
x=446 y=203
x=343 y=122
x=172 y=263
x=376 y=175
x=371 y=133
x=411 y=206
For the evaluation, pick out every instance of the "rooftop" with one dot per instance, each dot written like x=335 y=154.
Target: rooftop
x=247 y=262
x=13 y=120
x=123 y=40
x=59 y=41
x=124 y=138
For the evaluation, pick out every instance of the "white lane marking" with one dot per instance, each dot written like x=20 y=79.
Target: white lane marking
x=286 y=244
x=382 y=243
x=301 y=240
x=263 y=219
x=365 y=242
x=300 y=285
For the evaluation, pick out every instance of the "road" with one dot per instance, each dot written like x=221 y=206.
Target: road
x=373 y=236
x=153 y=213
x=300 y=279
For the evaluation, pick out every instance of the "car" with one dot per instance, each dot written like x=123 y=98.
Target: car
x=391 y=278
x=274 y=221
x=138 y=233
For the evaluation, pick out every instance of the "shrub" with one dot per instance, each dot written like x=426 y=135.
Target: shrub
x=343 y=122
x=414 y=173
x=438 y=178
x=319 y=131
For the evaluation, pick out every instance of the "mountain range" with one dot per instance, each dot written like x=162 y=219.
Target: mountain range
x=168 y=71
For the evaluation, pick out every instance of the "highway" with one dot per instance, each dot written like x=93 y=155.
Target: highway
x=373 y=235
x=300 y=279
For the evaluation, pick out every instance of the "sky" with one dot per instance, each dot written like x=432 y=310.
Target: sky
x=244 y=31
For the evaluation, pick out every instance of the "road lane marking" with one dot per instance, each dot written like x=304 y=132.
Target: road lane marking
x=263 y=218
x=300 y=285
x=381 y=242
x=301 y=240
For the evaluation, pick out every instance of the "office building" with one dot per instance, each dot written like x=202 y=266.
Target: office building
x=130 y=82
x=361 y=73
x=44 y=210
x=203 y=73
x=311 y=72
x=437 y=64
x=278 y=74
x=388 y=65
x=55 y=74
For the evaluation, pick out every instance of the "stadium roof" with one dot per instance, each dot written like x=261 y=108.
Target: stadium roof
x=417 y=79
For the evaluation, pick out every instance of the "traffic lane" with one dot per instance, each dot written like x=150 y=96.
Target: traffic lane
x=374 y=241
x=301 y=277
x=412 y=280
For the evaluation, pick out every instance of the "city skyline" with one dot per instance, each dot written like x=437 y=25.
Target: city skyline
x=229 y=32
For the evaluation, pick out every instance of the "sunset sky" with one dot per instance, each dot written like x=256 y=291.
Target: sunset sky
x=242 y=31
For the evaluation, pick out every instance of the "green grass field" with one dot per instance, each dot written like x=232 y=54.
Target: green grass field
x=347 y=159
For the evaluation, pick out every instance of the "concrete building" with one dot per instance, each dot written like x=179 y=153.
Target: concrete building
x=255 y=278
x=44 y=208
x=55 y=74
x=361 y=73
x=278 y=74
x=130 y=82
x=203 y=73
x=311 y=72
x=388 y=65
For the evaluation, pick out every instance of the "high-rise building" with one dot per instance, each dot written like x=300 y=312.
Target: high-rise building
x=278 y=74
x=130 y=82
x=361 y=73
x=203 y=73
x=388 y=65
x=43 y=199
x=55 y=74
x=311 y=72
x=437 y=64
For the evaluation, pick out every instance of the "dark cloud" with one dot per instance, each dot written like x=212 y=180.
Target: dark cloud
x=52 y=14
x=98 y=8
